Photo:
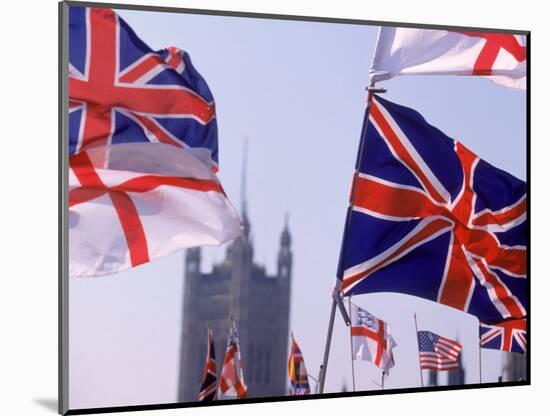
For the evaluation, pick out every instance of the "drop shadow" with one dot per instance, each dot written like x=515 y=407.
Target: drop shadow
x=49 y=404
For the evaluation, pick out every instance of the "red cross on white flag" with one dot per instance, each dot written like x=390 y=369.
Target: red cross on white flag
x=502 y=57
x=371 y=339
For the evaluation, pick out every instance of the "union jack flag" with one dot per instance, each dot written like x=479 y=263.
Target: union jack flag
x=209 y=383
x=431 y=219
x=122 y=91
x=297 y=371
x=509 y=336
x=437 y=352
x=143 y=150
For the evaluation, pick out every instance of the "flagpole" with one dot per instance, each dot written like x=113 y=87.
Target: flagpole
x=351 y=347
x=322 y=374
x=418 y=345
x=382 y=382
x=479 y=346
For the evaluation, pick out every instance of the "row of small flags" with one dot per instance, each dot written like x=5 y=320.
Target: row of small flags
x=371 y=341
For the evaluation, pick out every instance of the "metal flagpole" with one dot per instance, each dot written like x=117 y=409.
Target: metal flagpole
x=418 y=344
x=351 y=347
x=479 y=346
x=336 y=298
x=382 y=382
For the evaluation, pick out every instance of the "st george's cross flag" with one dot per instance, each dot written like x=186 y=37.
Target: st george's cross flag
x=143 y=150
x=209 y=384
x=509 y=336
x=437 y=353
x=371 y=339
x=297 y=372
x=232 y=376
x=502 y=57
x=431 y=219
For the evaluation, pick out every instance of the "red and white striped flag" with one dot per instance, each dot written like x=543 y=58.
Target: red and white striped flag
x=501 y=57
x=131 y=203
x=371 y=339
x=232 y=377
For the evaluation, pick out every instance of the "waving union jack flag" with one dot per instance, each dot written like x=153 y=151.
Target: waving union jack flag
x=143 y=150
x=122 y=91
x=509 y=336
x=431 y=219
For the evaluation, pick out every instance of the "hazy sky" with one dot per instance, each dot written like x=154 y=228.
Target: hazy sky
x=297 y=90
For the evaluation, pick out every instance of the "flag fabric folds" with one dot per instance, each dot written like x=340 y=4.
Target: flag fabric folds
x=209 y=384
x=232 y=376
x=121 y=91
x=143 y=150
x=405 y=51
x=371 y=339
x=431 y=219
x=509 y=336
x=437 y=352
x=297 y=372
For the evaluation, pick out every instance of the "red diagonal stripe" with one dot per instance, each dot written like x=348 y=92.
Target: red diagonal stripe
x=402 y=152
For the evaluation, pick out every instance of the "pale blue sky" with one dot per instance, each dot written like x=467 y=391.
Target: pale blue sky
x=296 y=89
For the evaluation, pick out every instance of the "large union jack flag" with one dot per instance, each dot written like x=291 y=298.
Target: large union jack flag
x=509 y=336
x=122 y=91
x=431 y=219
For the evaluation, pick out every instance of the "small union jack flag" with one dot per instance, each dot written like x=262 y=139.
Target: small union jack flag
x=437 y=352
x=509 y=336
x=209 y=383
x=431 y=219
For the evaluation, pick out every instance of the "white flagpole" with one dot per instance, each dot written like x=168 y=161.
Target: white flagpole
x=323 y=371
x=418 y=345
x=351 y=346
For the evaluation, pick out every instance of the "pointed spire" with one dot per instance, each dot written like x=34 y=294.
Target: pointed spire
x=244 y=213
x=285 y=235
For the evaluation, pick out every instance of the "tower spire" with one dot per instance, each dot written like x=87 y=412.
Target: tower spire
x=244 y=213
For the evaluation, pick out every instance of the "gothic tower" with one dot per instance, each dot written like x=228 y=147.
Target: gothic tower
x=259 y=303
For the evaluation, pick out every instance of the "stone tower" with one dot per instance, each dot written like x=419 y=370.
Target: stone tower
x=259 y=303
x=457 y=377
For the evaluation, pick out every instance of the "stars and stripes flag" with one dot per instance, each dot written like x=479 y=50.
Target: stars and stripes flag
x=143 y=150
x=437 y=352
x=297 y=372
x=509 y=336
x=371 y=339
x=501 y=57
x=209 y=384
x=431 y=219
x=232 y=376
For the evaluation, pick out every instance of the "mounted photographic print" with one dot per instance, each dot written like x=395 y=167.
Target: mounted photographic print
x=268 y=208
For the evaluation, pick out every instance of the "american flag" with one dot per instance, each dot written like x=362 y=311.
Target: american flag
x=209 y=383
x=297 y=371
x=426 y=206
x=509 y=336
x=232 y=377
x=437 y=352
